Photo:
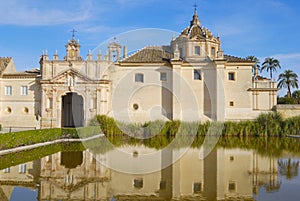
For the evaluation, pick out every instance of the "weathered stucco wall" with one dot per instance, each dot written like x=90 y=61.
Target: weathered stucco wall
x=288 y=110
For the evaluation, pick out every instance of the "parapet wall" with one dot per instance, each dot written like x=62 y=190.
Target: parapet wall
x=288 y=110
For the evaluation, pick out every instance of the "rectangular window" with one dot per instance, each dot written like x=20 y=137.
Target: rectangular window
x=231 y=186
x=231 y=76
x=139 y=77
x=197 y=74
x=8 y=90
x=24 y=90
x=197 y=187
x=213 y=52
x=163 y=76
x=6 y=170
x=162 y=185
x=22 y=168
x=138 y=183
x=231 y=103
x=49 y=103
x=197 y=50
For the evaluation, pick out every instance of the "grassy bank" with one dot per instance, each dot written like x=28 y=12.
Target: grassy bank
x=23 y=138
x=267 y=125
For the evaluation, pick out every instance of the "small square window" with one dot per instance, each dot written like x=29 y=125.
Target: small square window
x=139 y=77
x=24 y=90
x=231 y=158
x=163 y=76
x=8 y=90
x=231 y=186
x=138 y=183
x=197 y=50
x=231 y=76
x=231 y=103
x=197 y=74
x=197 y=187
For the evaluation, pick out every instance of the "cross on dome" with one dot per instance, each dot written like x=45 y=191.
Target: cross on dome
x=73 y=33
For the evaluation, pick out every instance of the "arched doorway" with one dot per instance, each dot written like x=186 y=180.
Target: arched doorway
x=72 y=110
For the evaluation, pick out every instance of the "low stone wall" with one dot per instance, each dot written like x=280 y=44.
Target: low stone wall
x=288 y=111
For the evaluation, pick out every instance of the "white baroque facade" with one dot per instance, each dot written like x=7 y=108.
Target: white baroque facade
x=190 y=80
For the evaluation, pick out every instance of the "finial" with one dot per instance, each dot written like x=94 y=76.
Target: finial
x=56 y=52
x=73 y=33
x=195 y=6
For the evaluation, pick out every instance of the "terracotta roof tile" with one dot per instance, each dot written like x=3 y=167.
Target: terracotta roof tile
x=149 y=55
x=236 y=59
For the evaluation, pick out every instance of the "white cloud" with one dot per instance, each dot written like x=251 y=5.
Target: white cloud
x=33 y=13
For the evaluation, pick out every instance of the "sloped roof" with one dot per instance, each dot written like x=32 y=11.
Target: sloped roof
x=236 y=59
x=156 y=54
x=27 y=73
x=4 y=61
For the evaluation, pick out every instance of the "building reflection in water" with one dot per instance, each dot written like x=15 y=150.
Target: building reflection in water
x=223 y=175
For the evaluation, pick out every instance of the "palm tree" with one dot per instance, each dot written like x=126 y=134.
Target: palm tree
x=296 y=95
x=288 y=79
x=253 y=59
x=288 y=168
x=270 y=64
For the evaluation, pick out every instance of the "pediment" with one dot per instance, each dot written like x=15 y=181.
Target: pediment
x=70 y=76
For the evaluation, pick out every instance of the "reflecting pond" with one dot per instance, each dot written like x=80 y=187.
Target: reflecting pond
x=236 y=169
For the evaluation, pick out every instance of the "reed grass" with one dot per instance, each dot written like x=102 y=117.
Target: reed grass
x=268 y=125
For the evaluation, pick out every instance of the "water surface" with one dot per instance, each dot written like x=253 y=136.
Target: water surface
x=237 y=169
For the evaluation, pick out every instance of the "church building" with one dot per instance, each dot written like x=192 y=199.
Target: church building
x=191 y=79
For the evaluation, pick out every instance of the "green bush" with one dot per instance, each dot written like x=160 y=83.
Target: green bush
x=285 y=100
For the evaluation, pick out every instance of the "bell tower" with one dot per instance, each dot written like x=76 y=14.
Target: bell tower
x=114 y=51
x=73 y=49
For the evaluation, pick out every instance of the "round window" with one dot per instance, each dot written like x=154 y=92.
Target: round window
x=8 y=110
x=135 y=154
x=135 y=106
x=25 y=110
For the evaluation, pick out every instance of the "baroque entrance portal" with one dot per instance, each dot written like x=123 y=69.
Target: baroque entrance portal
x=72 y=110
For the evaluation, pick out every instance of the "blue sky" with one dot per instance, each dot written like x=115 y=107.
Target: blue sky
x=262 y=28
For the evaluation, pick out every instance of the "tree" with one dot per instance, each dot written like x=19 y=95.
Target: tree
x=254 y=59
x=289 y=168
x=296 y=96
x=270 y=64
x=288 y=79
